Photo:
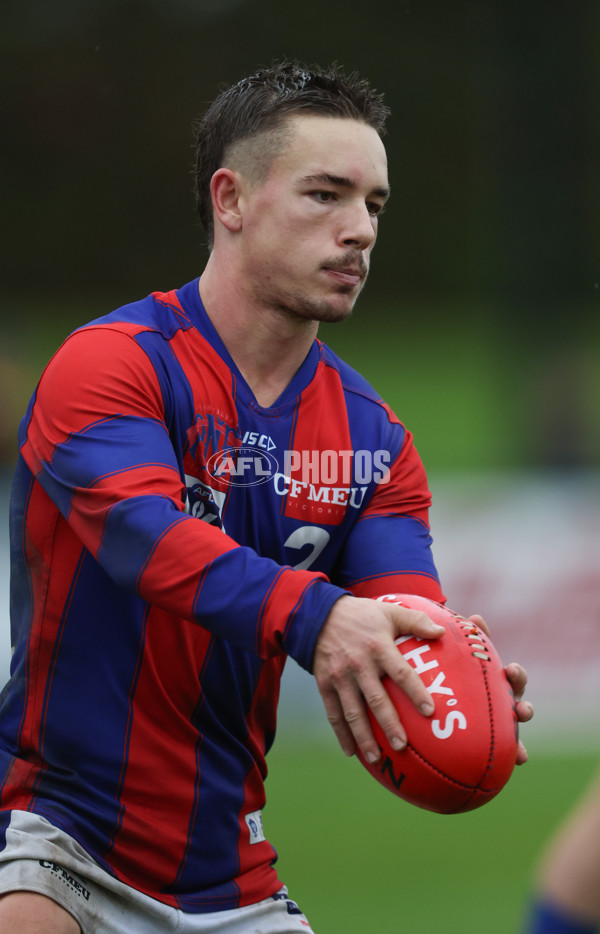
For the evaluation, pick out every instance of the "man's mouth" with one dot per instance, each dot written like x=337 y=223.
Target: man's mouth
x=344 y=276
x=351 y=275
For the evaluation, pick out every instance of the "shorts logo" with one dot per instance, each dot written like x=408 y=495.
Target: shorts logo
x=292 y=907
x=69 y=880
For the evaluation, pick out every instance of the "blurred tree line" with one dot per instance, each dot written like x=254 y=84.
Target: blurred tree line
x=494 y=144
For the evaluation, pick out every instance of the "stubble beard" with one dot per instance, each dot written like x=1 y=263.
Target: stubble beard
x=306 y=308
x=301 y=305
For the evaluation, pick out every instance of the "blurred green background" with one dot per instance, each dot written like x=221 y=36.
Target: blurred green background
x=486 y=279
x=480 y=323
x=359 y=860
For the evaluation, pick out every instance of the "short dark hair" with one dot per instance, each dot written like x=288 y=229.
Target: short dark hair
x=260 y=104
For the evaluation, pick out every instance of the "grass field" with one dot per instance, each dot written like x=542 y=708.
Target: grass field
x=358 y=860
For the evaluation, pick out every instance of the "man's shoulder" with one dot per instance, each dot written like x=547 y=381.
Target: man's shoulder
x=355 y=385
x=160 y=312
x=361 y=397
x=350 y=378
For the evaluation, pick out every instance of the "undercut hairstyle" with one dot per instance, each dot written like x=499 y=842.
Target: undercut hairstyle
x=245 y=127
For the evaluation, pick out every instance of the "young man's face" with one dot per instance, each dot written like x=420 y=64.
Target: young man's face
x=308 y=229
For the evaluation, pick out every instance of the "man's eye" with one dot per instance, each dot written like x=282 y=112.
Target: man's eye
x=323 y=196
x=376 y=210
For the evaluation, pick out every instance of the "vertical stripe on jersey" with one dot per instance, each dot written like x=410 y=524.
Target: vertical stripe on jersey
x=44 y=621
x=127 y=739
x=319 y=429
x=261 y=731
x=234 y=728
x=162 y=737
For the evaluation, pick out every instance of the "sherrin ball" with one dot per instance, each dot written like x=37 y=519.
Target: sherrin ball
x=464 y=754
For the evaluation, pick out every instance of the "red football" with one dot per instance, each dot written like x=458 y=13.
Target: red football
x=463 y=755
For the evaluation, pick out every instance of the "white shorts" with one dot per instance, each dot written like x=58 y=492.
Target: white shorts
x=39 y=857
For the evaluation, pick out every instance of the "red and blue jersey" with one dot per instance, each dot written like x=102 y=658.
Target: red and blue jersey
x=172 y=542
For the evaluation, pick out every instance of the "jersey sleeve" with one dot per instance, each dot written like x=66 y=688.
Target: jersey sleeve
x=389 y=548
x=96 y=439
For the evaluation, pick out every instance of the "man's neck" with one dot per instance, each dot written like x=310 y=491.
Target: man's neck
x=267 y=345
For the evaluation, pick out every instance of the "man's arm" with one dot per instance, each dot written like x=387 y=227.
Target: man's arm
x=388 y=551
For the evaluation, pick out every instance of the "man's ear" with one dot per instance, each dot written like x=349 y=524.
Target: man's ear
x=225 y=190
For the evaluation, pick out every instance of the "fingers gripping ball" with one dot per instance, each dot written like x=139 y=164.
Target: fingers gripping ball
x=463 y=755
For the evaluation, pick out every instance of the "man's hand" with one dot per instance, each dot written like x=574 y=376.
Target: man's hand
x=517 y=677
x=355 y=649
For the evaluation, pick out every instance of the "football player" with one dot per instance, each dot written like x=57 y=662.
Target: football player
x=204 y=488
